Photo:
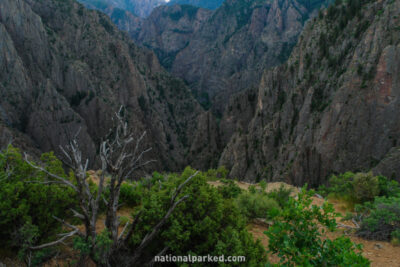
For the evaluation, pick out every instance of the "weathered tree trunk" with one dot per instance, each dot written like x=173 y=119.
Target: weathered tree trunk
x=120 y=157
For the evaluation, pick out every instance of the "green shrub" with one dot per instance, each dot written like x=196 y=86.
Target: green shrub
x=25 y=201
x=281 y=195
x=295 y=236
x=341 y=185
x=103 y=245
x=365 y=186
x=252 y=189
x=131 y=194
x=205 y=223
x=230 y=189
x=359 y=188
x=387 y=187
x=380 y=220
x=27 y=205
x=395 y=238
x=256 y=205
x=263 y=184
x=216 y=174
x=123 y=220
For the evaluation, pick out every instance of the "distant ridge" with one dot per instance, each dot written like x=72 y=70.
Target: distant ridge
x=208 y=4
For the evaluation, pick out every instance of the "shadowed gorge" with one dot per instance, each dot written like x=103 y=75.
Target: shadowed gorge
x=65 y=68
x=206 y=133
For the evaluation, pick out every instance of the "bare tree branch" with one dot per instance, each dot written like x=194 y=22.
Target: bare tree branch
x=149 y=237
x=61 y=179
x=68 y=225
x=131 y=228
x=177 y=191
x=120 y=156
x=59 y=241
x=355 y=223
x=69 y=163
x=123 y=231
x=77 y=214
x=46 y=182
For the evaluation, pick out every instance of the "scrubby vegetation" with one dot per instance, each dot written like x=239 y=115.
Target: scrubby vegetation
x=256 y=205
x=28 y=207
x=375 y=200
x=380 y=219
x=295 y=236
x=208 y=222
x=281 y=195
x=358 y=188
x=212 y=220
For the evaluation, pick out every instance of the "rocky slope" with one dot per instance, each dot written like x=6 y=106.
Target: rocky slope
x=140 y=8
x=64 y=68
x=208 y=4
x=234 y=46
x=222 y=52
x=333 y=107
x=169 y=29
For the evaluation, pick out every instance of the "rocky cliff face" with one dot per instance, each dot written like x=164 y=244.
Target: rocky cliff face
x=169 y=29
x=224 y=52
x=208 y=4
x=140 y=8
x=232 y=48
x=333 y=107
x=64 y=68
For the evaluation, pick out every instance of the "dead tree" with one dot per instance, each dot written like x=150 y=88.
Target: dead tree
x=120 y=155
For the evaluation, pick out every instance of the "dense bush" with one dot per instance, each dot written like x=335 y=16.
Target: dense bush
x=229 y=189
x=131 y=194
x=27 y=206
x=216 y=174
x=103 y=244
x=365 y=186
x=387 y=187
x=376 y=200
x=395 y=237
x=281 y=195
x=380 y=219
x=256 y=205
x=356 y=188
x=295 y=236
x=206 y=223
